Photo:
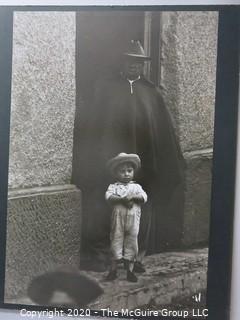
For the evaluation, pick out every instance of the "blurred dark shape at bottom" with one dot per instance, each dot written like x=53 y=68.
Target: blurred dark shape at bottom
x=64 y=287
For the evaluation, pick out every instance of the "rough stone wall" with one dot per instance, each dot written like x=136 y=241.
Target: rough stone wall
x=188 y=77
x=43 y=98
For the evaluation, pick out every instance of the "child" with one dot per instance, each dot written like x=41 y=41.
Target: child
x=126 y=197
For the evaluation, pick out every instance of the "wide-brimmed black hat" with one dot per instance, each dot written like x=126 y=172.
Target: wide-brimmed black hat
x=135 y=50
x=79 y=288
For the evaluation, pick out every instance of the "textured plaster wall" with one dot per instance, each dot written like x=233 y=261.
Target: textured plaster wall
x=188 y=79
x=188 y=74
x=198 y=197
x=44 y=211
x=43 y=232
x=43 y=98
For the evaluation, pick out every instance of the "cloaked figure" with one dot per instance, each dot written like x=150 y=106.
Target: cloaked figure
x=129 y=115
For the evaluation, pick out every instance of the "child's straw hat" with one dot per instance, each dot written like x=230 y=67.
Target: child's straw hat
x=121 y=158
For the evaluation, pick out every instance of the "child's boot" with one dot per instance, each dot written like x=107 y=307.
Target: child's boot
x=130 y=275
x=112 y=275
x=139 y=267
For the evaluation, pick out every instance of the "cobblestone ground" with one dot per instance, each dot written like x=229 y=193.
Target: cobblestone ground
x=169 y=282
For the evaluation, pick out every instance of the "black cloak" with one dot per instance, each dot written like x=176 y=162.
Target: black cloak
x=133 y=122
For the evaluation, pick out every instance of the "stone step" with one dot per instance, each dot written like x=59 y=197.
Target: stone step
x=168 y=276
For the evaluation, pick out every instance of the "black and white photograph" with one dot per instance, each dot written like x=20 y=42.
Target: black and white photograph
x=111 y=149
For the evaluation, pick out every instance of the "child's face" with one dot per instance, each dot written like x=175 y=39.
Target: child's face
x=125 y=172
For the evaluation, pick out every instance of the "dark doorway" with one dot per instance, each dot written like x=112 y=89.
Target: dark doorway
x=101 y=37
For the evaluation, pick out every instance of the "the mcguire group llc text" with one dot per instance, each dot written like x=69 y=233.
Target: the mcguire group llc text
x=197 y=312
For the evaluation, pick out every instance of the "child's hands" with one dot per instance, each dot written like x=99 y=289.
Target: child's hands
x=114 y=199
x=129 y=197
x=137 y=199
x=128 y=202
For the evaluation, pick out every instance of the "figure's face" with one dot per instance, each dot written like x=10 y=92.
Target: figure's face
x=125 y=172
x=133 y=67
